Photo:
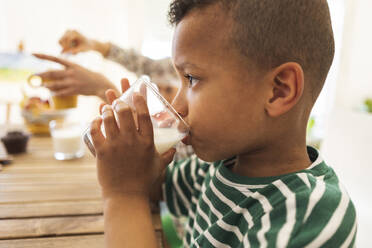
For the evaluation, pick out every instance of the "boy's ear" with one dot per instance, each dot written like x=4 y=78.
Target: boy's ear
x=286 y=89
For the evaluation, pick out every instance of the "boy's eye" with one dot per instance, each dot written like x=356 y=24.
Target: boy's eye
x=192 y=80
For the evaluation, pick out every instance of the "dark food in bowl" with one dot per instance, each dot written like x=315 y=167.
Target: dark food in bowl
x=15 y=142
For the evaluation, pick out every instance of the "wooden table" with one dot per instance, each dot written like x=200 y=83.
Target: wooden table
x=50 y=203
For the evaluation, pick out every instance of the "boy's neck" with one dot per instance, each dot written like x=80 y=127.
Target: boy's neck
x=275 y=160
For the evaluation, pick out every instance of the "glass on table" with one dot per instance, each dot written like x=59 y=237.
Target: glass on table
x=168 y=126
x=67 y=139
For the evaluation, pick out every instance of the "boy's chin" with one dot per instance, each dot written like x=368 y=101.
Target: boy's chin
x=207 y=156
x=203 y=150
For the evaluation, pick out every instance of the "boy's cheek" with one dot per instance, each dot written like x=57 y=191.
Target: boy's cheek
x=212 y=141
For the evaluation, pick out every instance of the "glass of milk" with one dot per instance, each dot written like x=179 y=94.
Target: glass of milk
x=67 y=139
x=169 y=127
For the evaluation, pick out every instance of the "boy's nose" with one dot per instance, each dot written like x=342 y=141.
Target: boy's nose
x=180 y=104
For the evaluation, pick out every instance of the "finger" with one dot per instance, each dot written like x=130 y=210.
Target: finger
x=58 y=85
x=109 y=122
x=54 y=59
x=63 y=45
x=125 y=117
x=66 y=46
x=95 y=132
x=65 y=50
x=143 y=116
x=66 y=92
x=143 y=91
x=101 y=107
x=63 y=40
x=75 y=50
x=70 y=50
x=124 y=85
x=73 y=34
x=53 y=74
x=111 y=96
x=68 y=35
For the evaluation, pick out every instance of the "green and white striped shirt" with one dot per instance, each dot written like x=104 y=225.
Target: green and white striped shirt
x=309 y=208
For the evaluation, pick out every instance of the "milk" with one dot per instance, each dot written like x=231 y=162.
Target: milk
x=67 y=141
x=166 y=138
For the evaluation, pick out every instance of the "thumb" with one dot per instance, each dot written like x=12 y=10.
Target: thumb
x=124 y=84
x=72 y=50
x=167 y=157
x=76 y=50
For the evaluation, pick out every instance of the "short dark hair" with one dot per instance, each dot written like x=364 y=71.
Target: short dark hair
x=273 y=32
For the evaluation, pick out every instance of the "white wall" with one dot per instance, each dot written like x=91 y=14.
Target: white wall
x=139 y=24
x=347 y=142
x=355 y=75
x=326 y=100
x=40 y=23
x=157 y=42
x=347 y=149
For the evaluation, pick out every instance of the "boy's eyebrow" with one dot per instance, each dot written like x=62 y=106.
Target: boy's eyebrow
x=185 y=65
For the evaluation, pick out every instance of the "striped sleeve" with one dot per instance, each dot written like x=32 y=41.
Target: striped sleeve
x=321 y=216
x=328 y=219
x=287 y=231
x=161 y=71
x=183 y=180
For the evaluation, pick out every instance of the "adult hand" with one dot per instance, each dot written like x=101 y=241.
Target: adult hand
x=74 y=79
x=74 y=42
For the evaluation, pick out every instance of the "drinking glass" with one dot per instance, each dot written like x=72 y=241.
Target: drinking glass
x=168 y=126
x=67 y=139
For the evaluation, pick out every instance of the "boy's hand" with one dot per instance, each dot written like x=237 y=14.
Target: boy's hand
x=127 y=161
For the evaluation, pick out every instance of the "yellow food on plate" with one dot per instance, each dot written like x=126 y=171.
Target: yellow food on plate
x=32 y=111
x=38 y=129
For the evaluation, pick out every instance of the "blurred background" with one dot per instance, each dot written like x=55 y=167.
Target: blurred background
x=341 y=121
x=37 y=26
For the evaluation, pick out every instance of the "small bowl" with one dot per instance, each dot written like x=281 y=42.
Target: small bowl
x=38 y=124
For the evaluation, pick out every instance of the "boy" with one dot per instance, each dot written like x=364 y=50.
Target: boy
x=251 y=71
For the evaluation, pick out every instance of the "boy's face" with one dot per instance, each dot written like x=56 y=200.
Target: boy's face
x=224 y=105
x=168 y=92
